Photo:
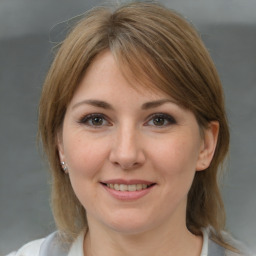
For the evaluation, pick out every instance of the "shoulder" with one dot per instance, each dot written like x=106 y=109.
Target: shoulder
x=244 y=249
x=53 y=244
x=210 y=247
x=240 y=246
x=30 y=249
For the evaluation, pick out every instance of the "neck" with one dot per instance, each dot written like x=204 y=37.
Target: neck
x=175 y=240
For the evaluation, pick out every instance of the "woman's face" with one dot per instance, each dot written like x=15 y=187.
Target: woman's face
x=131 y=154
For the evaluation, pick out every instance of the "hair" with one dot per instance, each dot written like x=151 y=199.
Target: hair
x=162 y=51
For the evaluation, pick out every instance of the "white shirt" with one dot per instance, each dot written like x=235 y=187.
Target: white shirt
x=77 y=247
x=33 y=248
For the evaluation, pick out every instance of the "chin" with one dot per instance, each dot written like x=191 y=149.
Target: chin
x=129 y=224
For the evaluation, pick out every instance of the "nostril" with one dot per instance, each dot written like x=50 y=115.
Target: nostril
x=127 y=166
x=127 y=159
x=130 y=166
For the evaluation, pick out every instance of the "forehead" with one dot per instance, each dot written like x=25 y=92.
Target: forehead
x=104 y=78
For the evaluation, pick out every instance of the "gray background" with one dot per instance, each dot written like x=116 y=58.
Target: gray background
x=27 y=28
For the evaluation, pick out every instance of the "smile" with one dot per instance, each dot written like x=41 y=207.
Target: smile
x=125 y=187
x=125 y=190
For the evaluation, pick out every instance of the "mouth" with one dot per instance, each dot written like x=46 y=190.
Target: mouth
x=128 y=187
x=128 y=190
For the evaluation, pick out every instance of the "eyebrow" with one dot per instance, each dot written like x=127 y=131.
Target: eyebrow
x=157 y=103
x=95 y=103
x=105 y=105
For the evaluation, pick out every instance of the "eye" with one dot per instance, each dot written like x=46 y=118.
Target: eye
x=94 y=120
x=160 y=120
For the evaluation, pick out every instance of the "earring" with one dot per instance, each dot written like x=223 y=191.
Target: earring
x=64 y=167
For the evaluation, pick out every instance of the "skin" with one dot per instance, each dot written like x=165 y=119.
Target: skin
x=131 y=139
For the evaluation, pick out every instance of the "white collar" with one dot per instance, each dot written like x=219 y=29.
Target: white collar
x=77 y=246
x=204 y=251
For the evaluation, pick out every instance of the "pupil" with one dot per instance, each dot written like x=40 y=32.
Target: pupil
x=97 y=121
x=158 y=121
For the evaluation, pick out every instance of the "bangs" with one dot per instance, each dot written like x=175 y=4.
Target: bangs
x=143 y=66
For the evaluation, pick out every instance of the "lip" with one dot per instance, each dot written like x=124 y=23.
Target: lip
x=127 y=195
x=127 y=182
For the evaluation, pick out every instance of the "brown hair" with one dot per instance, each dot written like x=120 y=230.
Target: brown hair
x=161 y=50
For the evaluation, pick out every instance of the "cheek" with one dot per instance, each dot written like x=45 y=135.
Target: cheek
x=176 y=161
x=178 y=153
x=84 y=155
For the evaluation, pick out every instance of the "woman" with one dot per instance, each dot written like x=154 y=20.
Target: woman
x=133 y=122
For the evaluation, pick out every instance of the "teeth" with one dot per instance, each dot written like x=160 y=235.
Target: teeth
x=139 y=186
x=132 y=187
x=116 y=187
x=125 y=187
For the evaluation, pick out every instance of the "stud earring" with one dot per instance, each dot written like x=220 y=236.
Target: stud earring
x=64 y=167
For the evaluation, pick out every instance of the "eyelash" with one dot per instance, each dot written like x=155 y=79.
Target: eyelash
x=166 y=118
x=89 y=118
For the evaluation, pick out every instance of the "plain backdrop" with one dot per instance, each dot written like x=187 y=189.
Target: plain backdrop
x=28 y=30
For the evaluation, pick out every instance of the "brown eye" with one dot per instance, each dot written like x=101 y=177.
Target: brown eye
x=94 y=120
x=97 y=121
x=160 y=120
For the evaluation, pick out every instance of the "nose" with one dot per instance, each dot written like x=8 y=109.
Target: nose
x=127 y=149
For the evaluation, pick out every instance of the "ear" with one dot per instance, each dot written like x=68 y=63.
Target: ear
x=60 y=146
x=207 y=149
